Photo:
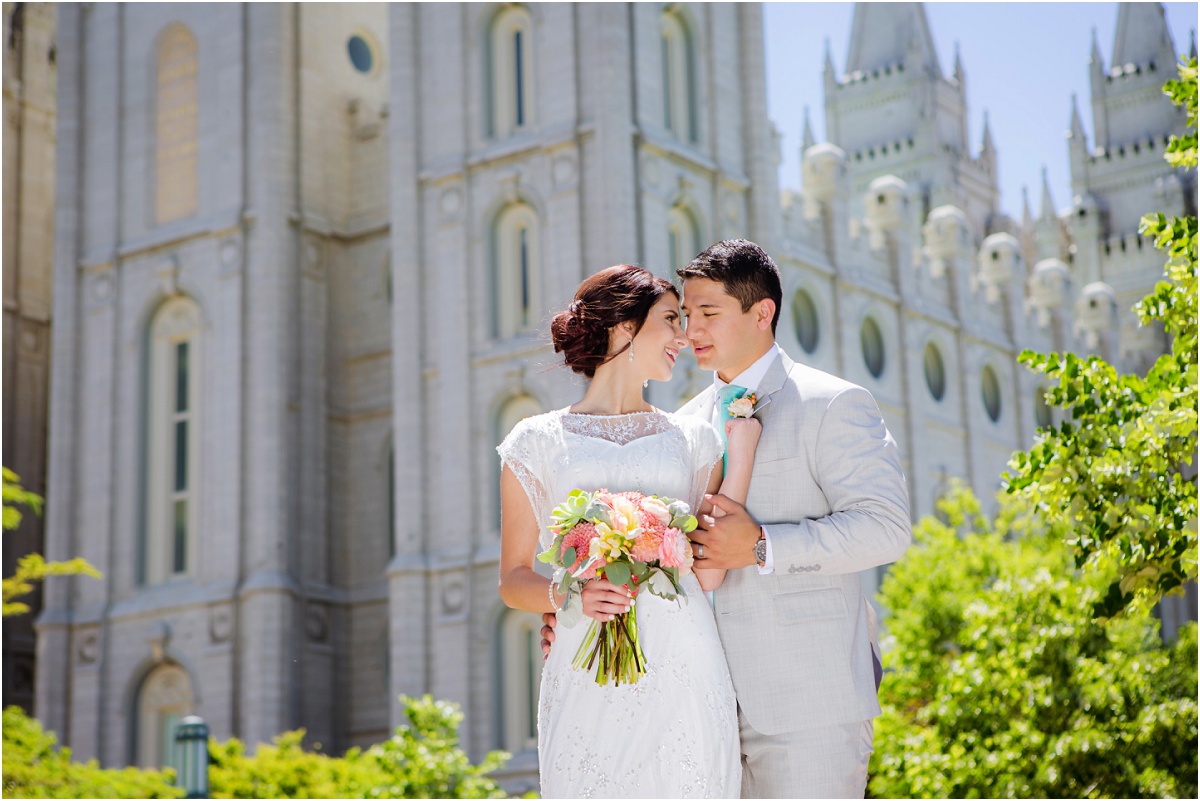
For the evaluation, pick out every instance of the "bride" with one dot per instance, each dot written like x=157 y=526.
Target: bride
x=673 y=733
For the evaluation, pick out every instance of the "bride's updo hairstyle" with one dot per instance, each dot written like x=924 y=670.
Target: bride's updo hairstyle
x=610 y=297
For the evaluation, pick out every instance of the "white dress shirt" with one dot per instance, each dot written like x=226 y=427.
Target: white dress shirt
x=750 y=378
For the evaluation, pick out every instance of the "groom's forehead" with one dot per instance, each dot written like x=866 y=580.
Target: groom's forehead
x=701 y=292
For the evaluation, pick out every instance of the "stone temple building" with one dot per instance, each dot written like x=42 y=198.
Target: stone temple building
x=304 y=258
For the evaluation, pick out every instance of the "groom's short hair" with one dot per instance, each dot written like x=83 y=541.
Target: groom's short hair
x=743 y=268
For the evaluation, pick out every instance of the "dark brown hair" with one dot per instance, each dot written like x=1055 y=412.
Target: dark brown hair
x=612 y=296
x=743 y=268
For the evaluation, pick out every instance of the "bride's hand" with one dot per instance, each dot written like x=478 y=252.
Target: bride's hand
x=603 y=600
x=742 y=434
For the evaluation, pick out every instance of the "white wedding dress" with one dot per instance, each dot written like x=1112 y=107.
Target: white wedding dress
x=673 y=734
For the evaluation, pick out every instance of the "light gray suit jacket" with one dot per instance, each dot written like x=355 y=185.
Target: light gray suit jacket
x=828 y=485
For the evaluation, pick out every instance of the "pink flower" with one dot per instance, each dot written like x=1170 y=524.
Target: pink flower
x=646 y=547
x=675 y=550
x=580 y=538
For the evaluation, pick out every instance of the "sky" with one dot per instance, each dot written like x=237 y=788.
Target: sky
x=1022 y=62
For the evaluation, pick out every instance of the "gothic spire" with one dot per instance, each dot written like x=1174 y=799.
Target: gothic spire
x=808 y=140
x=1142 y=34
x=959 y=75
x=886 y=34
x=1047 y=201
x=1078 y=137
x=1026 y=214
x=987 y=147
x=1096 y=60
x=830 y=72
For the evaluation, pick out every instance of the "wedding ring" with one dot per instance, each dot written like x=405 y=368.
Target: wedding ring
x=699 y=550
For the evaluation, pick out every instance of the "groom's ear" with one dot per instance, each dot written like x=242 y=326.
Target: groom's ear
x=764 y=313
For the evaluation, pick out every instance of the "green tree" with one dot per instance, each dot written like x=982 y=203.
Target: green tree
x=1005 y=685
x=1117 y=473
x=35 y=767
x=31 y=567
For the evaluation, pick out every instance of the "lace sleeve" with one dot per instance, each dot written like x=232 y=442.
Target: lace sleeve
x=706 y=450
x=522 y=452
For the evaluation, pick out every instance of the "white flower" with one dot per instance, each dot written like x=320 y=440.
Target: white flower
x=656 y=509
x=742 y=407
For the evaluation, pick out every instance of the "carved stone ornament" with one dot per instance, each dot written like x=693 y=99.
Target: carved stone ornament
x=316 y=622
x=159 y=639
x=168 y=275
x=454 y=595
x=89 y=647
x=220 y=624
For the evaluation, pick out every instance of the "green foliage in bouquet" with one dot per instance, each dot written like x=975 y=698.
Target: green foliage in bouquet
x=421 y=760
x=35 y=767
x=1005 y=685
x=1118 y=473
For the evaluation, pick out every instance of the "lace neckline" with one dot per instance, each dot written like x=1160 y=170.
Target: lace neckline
x=620 y=429
x=566 y=412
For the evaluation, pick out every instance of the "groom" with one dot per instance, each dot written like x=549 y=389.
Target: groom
x=827 y=502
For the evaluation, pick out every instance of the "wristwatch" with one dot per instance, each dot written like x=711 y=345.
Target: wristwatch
x=760 y=549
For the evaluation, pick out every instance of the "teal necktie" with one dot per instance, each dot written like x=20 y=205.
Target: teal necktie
x=726 y=395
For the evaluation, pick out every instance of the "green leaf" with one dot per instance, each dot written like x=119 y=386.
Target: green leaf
x=617 y=572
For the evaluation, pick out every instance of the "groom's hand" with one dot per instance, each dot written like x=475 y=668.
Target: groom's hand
x=550 y=620
x=728 y=540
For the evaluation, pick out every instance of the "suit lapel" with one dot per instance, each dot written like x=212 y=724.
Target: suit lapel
x=773 y=381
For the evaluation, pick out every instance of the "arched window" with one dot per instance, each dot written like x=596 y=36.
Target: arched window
x=519 y=633
x=171 y=474
x=514 y=410
x=176 y=142
x=164 y=698
x=511 y=67
x=990 y=389
x=935 y=372
x=517 y=287
x=683 y=237
x=519 y=637
x=872 y=347
x=679 y=93
x=804 y=316
x=1041 y=409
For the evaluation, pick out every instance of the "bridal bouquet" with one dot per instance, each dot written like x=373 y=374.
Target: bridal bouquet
x=632 y=540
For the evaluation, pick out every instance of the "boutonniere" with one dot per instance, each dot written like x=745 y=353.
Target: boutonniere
x=743 y=406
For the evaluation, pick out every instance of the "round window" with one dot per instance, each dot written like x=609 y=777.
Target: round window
x=872 y=347
x=360 y=54
x=804 y=313
x=935 y=372
x=991 y=393
x=1041 y=409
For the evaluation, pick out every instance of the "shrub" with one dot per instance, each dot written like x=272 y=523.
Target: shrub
x=1006 y=685
x=421 y=760
x=35 y=767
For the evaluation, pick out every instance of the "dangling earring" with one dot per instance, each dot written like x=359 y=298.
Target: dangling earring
x=631 y=349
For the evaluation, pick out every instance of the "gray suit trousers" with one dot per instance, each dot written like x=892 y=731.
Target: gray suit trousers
x=824 y=762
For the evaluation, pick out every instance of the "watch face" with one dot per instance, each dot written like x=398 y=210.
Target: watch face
x=760 y=551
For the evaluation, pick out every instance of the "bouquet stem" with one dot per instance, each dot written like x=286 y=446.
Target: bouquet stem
x=613 y=648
